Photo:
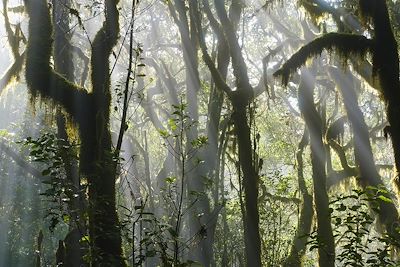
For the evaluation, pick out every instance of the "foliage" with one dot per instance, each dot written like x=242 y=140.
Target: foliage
x=49 y=150
x=357 y=243
x=156 y=235
x=157 y=211
x=276 y=223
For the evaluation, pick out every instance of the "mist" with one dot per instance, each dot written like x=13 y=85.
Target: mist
x=199 y=133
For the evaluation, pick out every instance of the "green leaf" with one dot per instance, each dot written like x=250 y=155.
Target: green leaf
x=170 y=179
x=84 y=239
x=385 y=199
x=199 y=142
x=172 y=124
x=163 y=133
x=66 y=218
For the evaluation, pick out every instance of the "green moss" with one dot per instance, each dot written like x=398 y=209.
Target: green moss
x=42 y=80
x=345 y=45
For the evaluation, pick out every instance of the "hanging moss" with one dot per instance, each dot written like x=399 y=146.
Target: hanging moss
x=91 y=113
x=43 y=82
x=345 y=45
x=313 y=9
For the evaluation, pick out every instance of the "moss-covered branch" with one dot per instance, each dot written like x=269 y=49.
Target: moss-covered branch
x=343 y=44
x=42 y=80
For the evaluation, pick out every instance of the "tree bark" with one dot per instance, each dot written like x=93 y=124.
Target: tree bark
x=298 y=248
x=368 y=174
x=386 y=66
x=326 y=245
x=240 y=100
x=250 y=184
x=91 y=113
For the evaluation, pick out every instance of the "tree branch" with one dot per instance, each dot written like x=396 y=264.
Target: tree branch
x=342 y=43
x=42 y=80
x=14 y=39
x=219 y=81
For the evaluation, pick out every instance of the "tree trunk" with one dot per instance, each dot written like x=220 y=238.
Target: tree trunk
x=386 y=66
x=326 y=246
x=250 y=184
x=368 y=175
x=63 y=64
x=92 y=117
x=299 y=244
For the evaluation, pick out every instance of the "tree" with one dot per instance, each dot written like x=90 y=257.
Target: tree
x=326 y=245
x=91 y=113
x=383 y=48
x=240 y=99
x=385 y=60
x=298 y=248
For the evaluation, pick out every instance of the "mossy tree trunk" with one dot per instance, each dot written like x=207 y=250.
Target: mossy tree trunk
x=63 y=64
x=326 y=245
x=368 y=174
x=250 y=184
x=91 y=112
x=386 y=66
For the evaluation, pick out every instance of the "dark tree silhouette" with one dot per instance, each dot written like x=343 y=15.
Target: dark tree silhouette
x=91 y=113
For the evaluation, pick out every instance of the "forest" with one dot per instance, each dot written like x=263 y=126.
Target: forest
x=232 y=133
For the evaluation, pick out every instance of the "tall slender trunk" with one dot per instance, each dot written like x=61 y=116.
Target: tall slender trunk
x=386 y=66
x=250 y=185
x=63 y=64
x=239 y=98
x=326 y=245
x=299 y=244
